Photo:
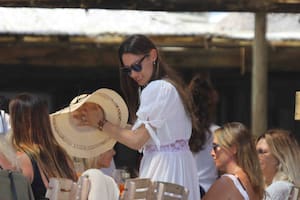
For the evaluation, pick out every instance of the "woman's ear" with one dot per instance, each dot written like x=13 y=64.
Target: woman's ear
x=233 y=149
x=153 y=55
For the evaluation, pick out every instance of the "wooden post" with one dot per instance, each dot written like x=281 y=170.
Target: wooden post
x=259 y=77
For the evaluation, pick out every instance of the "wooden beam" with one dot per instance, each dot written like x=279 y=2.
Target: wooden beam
x=92 y=56
x=165 y=5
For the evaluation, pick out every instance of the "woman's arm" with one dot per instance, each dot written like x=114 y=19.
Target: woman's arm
x=91 y=114
x=133 y=139
x=4 y=162
x=25 y=165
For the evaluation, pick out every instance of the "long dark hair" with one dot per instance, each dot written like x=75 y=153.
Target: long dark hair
x=140 y=45
x=205 y=99
x=33 y=135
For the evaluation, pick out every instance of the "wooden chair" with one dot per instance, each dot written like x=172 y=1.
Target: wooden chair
x=294 y=193
x=137 y=188
x=169 y=191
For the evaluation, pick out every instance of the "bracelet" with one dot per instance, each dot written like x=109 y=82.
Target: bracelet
x=101 y=124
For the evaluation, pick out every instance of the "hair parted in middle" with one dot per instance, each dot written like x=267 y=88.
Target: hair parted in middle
x=141 y=45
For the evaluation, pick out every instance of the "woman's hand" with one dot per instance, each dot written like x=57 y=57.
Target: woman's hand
x=89 y=114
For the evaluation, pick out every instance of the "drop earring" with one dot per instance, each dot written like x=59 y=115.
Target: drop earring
x=154 y=63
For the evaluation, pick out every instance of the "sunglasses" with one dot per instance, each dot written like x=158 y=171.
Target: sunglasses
x=261 y=151
x=215 y=146
x=137 y=67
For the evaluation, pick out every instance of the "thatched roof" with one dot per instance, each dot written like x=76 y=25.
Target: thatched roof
x=75 y=37
x=280 y=26
x=101 y=22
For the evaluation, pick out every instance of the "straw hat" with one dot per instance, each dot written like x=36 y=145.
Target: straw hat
x=87 y=141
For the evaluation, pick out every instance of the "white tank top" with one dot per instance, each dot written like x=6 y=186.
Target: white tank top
x=238 y=185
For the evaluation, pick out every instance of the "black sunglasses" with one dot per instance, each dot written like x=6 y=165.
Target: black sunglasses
x=137 y=67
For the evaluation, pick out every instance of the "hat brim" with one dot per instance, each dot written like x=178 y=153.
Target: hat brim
x=87 y=141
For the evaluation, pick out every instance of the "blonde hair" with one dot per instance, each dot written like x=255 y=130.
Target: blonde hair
x=285 y=148
x=83 y=164
x=235 y=133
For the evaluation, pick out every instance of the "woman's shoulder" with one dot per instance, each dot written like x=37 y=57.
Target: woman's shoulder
x=224 y=183
x=25 y=164
x=160 y=83
x=159 y=87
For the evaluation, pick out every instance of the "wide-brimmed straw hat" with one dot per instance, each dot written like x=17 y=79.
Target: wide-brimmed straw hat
x=87 y=141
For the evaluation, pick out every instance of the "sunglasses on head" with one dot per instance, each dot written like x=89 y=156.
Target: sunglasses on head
x=137 y=67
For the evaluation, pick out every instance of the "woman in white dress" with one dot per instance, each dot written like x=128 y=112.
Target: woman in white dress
x=160 y=109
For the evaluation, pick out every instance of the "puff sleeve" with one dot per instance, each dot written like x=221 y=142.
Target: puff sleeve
x=159 y=105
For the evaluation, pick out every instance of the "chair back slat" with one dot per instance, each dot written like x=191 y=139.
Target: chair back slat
x=169 y=191
x=145 y=189
x=294 y=193
x=137 y=188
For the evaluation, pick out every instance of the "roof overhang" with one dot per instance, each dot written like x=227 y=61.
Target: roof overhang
x=165 y=5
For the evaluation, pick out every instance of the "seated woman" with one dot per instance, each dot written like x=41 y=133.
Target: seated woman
x=39 y=154
x=279 y=156
x=235 y=157
x=103 y=161
x=102 y=186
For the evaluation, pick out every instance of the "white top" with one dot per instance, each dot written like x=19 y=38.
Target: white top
x=238 y=185
x=101 y=186
x=4 y=122
x=206 y=168
x=167 y=156
x=278 y=190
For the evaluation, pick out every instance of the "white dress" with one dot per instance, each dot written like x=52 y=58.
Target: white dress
x=206 y=168
x=166 y=155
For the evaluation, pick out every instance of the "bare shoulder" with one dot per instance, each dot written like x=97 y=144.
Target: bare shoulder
x=25 y=165
x=224 y=189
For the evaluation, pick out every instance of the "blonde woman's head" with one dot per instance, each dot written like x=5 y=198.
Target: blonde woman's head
x=282 y=146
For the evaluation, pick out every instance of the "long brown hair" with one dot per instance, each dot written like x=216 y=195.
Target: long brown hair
x=141 y=45
x=33 y=135
x=205 y=100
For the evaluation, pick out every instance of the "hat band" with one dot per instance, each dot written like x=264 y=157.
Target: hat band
x=105 y=96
